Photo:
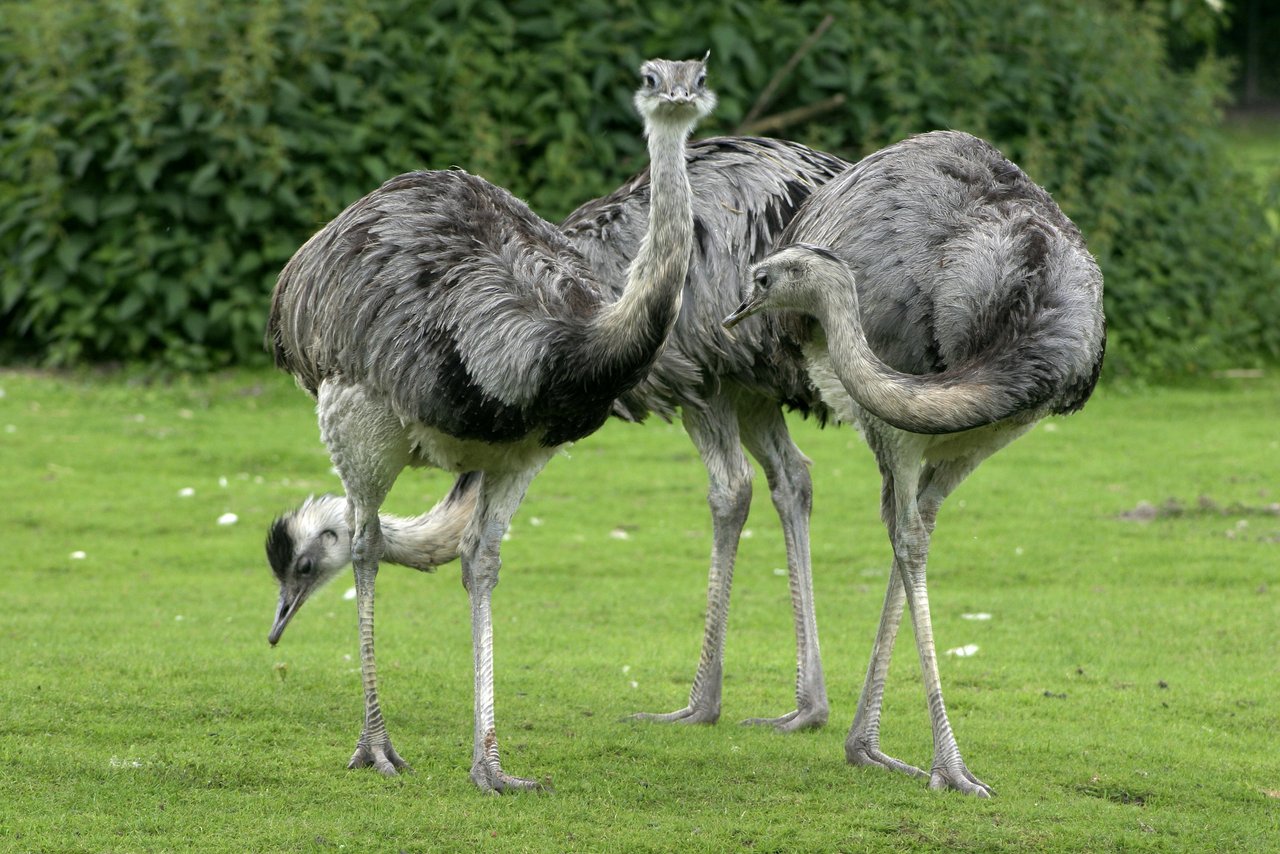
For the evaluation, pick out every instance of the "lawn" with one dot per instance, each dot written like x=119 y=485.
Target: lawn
x=1123 y=695
x=1253 y=138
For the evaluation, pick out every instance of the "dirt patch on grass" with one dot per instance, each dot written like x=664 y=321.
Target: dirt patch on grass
x=1206 y=507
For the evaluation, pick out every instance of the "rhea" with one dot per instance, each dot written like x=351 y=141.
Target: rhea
x=729 y=389
x=438 y=322
x=943 y=303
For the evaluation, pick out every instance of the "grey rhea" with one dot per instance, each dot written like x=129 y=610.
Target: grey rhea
x=730 y=389
x=944 y=303
x=438 y=322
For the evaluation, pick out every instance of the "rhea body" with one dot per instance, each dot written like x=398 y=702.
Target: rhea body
x=943 y=303
x=439 y=322
x=730 y=390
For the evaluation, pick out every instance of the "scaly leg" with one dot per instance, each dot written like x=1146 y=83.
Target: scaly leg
x=500 y=496
x=911 y=550
x=374 y=746
x=349 y=420
x=764 y=431
x=862 y=745
x=715 y=434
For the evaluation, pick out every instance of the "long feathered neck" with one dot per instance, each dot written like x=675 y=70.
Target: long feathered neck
x=631 y=331
x=947 y=402
x=421 y=542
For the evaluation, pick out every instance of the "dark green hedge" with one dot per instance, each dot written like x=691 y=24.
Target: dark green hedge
x=159 y=161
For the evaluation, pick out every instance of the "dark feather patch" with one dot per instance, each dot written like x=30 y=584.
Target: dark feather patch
x=280 y=548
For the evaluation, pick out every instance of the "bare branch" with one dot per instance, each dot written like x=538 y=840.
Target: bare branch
x=791 y=117
x=772 y=87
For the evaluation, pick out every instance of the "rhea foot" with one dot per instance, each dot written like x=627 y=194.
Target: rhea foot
x=858 y=751
x=492 y=780
x=957 y=776
x=804 y=718
x=687 y=715
x=383 y=757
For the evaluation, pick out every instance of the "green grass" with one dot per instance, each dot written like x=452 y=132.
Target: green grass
x=1254 y=140
x=1124 y=695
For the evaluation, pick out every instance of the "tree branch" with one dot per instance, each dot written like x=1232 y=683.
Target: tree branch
x=790 y=117
x=772 y=87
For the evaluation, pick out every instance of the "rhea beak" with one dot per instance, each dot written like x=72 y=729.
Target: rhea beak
x=290 y=602
x=749 y=306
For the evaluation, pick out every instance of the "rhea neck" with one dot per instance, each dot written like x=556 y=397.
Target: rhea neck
x=631 y=331
x=420 y=542
x=912 y=403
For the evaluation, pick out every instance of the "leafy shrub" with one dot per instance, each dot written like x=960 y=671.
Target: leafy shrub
x=160 y=161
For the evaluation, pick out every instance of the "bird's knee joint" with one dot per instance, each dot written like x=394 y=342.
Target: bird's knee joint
x=790 y=490
x=731 y=499
x=480 y=574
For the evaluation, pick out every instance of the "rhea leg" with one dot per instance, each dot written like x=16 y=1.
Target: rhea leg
x=715 y=434
x=862 y=745
x=500 y=496
x=912 y=532
x=765 y=434
x=929 y=487
x=349 y=421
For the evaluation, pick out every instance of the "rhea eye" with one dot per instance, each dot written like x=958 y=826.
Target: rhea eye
x=650 y=80
x=762 y=278
x=305 y=566
x=701 y=81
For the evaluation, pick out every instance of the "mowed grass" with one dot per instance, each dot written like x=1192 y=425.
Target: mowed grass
x=1125 y=694
x=1254 y=143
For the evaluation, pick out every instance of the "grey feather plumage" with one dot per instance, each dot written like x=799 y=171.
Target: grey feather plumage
x=964 y=267
x=449 y=299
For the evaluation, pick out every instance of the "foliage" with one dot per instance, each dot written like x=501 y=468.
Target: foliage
x=1122 y=697
x=159 y=161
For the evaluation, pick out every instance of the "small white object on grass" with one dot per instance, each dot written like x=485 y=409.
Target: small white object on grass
x=779 y=571
x=978 y=616
x=619 y=534
x=350 y=594
x=964 y=651
x=186 y=492
x=228 y=519
x=78 y=555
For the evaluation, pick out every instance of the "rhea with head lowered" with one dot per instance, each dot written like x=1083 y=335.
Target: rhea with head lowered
x=944 y=303
x=439 y=322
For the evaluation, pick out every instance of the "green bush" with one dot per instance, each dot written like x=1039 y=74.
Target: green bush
x=160 y=161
